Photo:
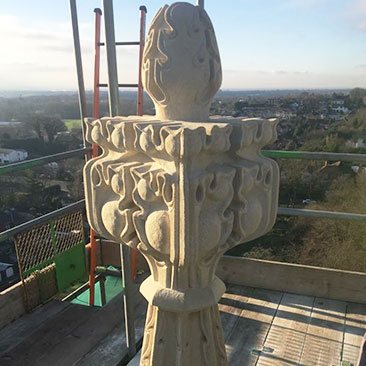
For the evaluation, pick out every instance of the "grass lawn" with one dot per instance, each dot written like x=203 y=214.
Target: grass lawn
x=72 y=123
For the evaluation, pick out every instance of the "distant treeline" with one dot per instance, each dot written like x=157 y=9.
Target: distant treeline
x=18 y=105
x=65 y=105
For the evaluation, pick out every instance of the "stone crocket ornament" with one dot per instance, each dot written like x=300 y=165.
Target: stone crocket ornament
x=181 y=188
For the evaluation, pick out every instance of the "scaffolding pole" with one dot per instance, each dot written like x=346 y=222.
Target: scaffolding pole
x=140 y=89
x=114 y=110
x=79 y=65
x=110 y=42
x=129 y=306
x=201 y=3
x=96 y=115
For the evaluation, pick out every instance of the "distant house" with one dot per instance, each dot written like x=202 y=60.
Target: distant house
x=358 y=169
x=6 y=271
x=340 y=109
x=360 y=143
x=8 y=156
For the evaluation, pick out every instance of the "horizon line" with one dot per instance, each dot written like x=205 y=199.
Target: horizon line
x=221 y=89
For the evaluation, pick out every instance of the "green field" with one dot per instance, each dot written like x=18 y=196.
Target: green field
x=72 y=123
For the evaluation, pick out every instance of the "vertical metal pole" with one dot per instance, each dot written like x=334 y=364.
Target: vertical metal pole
x=103 y=297
x=21 y=274
x=110 y=41
x=201 y=3
x=140 y=90
x=98 y=16
x=129 y=305
x=79 y=64
x=114 y=109
x=93 y=244
x=140 y=107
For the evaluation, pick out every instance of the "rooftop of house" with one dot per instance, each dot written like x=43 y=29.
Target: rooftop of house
x=8 y=151
x=4 y=266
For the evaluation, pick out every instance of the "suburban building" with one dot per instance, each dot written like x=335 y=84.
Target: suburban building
x=8 y=156
x=6 y=271
x=359 y=144
x=343 y=110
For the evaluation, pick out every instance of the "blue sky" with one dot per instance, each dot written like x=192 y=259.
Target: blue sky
x=263 y=43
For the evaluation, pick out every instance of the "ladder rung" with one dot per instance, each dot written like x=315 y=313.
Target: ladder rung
x=122 y=43
x=128 y=85
x=120 y=85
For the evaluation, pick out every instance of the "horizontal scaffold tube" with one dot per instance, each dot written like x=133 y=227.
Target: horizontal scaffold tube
x=309 y=155
x=29 y=164
x=286 y=211
x=80 y=205
x=76 y=206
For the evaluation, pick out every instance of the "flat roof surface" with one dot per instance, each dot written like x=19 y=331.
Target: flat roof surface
x=261 y=327
x=273 y=328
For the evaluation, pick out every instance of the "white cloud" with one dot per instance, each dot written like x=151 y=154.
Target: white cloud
x=356 y=13
x=34 y=53
x=357 y=7
x=306 y=3
x=41 y=56
x=261 y=79
x=353 y=10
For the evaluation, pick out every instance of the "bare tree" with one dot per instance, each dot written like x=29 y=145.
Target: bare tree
x=46 y=126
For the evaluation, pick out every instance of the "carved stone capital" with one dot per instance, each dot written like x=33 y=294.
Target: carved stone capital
x=182 y=193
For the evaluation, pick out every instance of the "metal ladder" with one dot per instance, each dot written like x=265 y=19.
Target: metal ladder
x=113 y=98
x=110 y=43
x=114 y=110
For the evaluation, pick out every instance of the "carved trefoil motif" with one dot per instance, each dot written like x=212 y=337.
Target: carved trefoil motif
x=181 y=192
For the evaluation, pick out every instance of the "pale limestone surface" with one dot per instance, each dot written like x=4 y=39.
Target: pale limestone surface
x=182 y=68
x=181 y=192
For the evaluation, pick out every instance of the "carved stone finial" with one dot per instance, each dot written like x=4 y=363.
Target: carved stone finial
x=182 y=67
x=181 y=192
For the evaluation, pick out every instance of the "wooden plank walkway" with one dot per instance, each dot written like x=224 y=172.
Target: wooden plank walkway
x=261 y=328
x=270 y=328
x=63 y=334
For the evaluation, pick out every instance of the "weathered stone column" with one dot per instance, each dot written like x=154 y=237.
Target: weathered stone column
x=181 y=188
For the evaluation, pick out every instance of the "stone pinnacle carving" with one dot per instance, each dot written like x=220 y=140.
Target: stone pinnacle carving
x=182 y=67
x=181 y=192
